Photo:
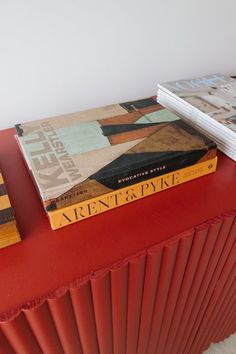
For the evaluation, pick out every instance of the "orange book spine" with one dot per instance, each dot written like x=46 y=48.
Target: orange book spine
x=82 y=210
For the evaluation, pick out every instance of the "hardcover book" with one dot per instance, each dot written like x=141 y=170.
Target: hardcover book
x=81 y=156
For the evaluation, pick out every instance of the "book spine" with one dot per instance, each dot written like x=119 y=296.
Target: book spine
x=79 y=211
x=96 y=185
x=6 y=210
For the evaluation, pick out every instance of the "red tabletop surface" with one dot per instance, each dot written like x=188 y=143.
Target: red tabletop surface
x=48 y=259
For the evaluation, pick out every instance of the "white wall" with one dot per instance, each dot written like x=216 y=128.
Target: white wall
x=61 y=56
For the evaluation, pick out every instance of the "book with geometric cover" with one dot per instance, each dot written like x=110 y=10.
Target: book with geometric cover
x=78 y=157
x=8 y=230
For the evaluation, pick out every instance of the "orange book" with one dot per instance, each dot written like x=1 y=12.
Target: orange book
x=9 y=233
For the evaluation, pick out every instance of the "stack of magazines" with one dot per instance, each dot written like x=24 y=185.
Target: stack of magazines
x=208 y=103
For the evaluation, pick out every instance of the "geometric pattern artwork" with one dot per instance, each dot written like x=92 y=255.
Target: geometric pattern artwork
x=103 y=151
x=173 y=298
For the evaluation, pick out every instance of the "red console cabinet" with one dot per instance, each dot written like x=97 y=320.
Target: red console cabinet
x=152 y=277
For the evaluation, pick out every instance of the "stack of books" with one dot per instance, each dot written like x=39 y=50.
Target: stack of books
x=89 y=162
x=209 y=104
x=9 y=233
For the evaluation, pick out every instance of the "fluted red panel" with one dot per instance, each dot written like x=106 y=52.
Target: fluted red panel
x=230 y=318
x=223 y=315
x=201 y=343
x=135 y=294
x=5 y=347
x=195 y=254
x=152 y=273
x=218 y=297
x=231 y=329
x=173 y=298
x=100 y=282
x=168 y=263
x=83 y=307
x=44 y=328
x=63 y=316
x=230 y=324
x=119 y=295
x=20 y=336
x=179 y=269
x=208 y=269
x=195 y=293
x=224 y=265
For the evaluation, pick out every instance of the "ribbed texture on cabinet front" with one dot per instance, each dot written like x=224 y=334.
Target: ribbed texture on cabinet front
x=119 y=295
x=152 y=274
x=219 y=271
x=5 y=347
x=174 y=298
x=64 y=319
x=135 y=294
x=20 y=335
x=101 y=291
x=81 y=296
x=167 y=268
x=44 y=328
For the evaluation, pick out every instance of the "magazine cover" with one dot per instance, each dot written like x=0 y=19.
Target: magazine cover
x=214 y=95
x=77 y=157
